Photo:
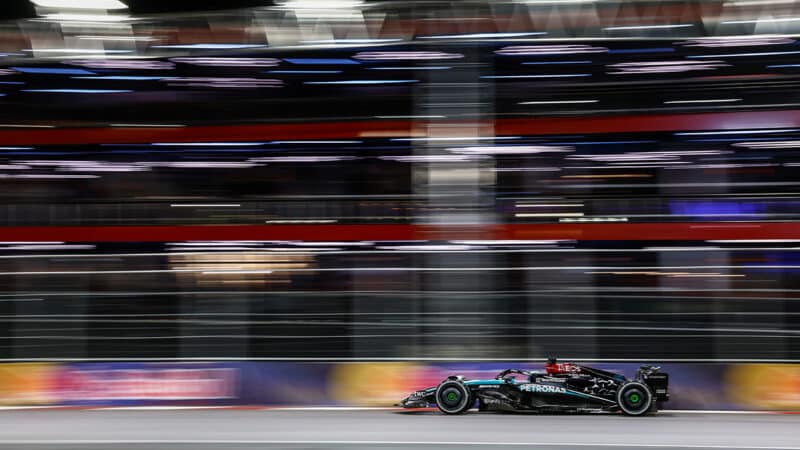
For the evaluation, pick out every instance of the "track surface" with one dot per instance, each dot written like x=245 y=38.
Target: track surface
x=387 y=429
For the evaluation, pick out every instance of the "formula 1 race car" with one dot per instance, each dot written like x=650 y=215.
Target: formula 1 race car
x=562 y=387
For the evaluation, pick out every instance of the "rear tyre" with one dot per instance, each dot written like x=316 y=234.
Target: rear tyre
x=635 y=399
x=453 y=397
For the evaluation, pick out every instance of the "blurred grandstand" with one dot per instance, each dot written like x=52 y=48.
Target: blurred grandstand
x=437 y=180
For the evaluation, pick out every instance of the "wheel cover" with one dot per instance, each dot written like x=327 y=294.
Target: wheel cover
x=634 y=399
x=452 y=398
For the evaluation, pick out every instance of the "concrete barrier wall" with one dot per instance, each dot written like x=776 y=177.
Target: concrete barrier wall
x=692 y=386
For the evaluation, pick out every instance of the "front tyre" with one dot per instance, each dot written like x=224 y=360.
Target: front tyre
x=453 y=397
x=635 y=399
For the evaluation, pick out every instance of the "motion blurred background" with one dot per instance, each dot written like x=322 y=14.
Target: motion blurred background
x=199 y=198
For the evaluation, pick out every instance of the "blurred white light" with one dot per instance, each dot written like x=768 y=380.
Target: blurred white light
x=79 y=91
x=19 y=125
x=557 y=102
x=677 y=66
x=207 y=144
x=363 y=82
x=228 y=62
x=718 y=100
x=147 y=125
x=483 y=35
x=405 y=55
x=507 y=242
x=80 y=4
x=88 y=51
x=556 y=214
x=351 y=41
x=433 y=158
x=760 y=2
x=649 y=27
x=559 y=49
x=763 y=20
x=551 y=205
x=594 y=219
x=750 y=241
x=333 y=244
x=142 y=64
x=411 y=68
x=49 y=247
x=457 y=138
x=223 y=82
x=208 y=164
x=209 y=46
x=768 y=144
x=427 y=248
x=68 y=17
x=118 y=38
x=236 y=272
x=322 y=4
x=316 y=142
x=511 y=150
x=737 y=41
x=301 y=159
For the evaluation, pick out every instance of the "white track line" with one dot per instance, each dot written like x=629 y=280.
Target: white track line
x=313 y=408
x=365 y=443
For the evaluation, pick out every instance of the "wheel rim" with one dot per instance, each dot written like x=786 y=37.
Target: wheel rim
x=451 y=397
x=634 y=399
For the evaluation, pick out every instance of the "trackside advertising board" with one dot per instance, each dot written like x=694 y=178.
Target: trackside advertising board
x=692 y=386
x=145 y=383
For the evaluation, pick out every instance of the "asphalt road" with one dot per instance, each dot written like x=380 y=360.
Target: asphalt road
x=387 y=429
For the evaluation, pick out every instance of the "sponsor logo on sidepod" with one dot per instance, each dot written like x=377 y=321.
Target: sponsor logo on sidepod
x=544 y=388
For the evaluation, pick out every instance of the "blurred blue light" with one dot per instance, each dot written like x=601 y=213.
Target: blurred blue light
x=12 y=82
x=542 y=63
x=714 y=208
x=727 y=55
x=711 y=133
x=53 y=70
x=330 y=61
x=303 y=71
x=561 y=75
x=363 y=82
x=623 y=51
x=411 y=68
x=121 y=77
x=782 y=65
x=740 y=139
x=79 y=91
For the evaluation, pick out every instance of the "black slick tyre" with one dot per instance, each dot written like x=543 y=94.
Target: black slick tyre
x=453 y=397
x=635 y=399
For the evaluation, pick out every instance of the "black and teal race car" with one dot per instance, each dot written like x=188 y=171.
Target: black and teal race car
x=562 y=387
